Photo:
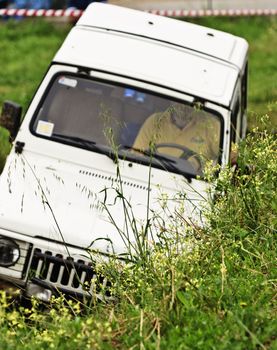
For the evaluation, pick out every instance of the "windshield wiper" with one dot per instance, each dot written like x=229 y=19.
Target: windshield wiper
x=148 y=153
x=88 y=144
x=167 y=161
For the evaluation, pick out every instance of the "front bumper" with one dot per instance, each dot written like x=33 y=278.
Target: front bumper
x=46 y=268
x=10 y=288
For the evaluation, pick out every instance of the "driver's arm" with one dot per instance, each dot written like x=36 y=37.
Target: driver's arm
x=146 y=134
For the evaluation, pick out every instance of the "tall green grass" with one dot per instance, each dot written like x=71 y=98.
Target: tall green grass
x=218 y=293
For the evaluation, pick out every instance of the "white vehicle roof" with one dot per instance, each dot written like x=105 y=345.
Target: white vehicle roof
x=167 y=52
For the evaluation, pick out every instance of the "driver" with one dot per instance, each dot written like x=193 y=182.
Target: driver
x=181 y=131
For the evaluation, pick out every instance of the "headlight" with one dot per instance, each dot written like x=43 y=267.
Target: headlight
x=9 y=252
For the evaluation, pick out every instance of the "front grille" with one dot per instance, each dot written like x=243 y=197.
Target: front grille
x=67 y=275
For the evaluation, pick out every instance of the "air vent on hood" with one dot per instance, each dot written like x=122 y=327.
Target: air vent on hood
x=113 y=179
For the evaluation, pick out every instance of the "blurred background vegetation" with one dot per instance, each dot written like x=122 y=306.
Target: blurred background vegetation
x=27 y=47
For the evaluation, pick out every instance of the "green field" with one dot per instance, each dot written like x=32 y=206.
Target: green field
x=219 y=295
x=27 y=47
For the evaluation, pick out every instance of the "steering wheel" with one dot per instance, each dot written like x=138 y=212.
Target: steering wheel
x=187 y=152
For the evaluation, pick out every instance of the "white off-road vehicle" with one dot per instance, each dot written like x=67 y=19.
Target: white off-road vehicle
x=96 y=154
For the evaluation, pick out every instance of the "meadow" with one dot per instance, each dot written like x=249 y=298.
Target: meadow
x=27 y=47
x=219 y=295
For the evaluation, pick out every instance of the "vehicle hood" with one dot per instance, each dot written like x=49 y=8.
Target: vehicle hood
x=85 y=207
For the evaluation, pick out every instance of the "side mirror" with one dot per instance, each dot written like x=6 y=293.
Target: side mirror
x=10 y=118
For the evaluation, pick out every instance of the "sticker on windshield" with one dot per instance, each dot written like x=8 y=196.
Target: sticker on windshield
x=68 y=82
x=45 y=128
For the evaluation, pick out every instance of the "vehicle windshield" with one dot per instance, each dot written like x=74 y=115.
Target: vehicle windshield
x=138 y=125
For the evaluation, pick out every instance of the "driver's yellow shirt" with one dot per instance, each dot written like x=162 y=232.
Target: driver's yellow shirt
x=201 y=135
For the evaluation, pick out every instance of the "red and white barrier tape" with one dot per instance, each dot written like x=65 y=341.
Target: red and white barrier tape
x=40 y=13
x=207 y=13
x=168 y=13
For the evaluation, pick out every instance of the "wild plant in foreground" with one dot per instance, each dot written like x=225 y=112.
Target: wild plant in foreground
x=223 y=288
x=217 y=294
